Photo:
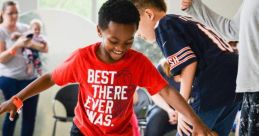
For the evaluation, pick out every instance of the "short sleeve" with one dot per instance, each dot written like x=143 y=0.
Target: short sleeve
x=67 y=72
x=170 y=80
x=150 y=77
x=175 y=45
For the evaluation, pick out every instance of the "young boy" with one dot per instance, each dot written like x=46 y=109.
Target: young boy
x=205 y=63
x=243 y=27
x=108 y=74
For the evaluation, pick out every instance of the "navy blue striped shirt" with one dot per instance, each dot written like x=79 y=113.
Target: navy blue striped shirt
x=184 y=41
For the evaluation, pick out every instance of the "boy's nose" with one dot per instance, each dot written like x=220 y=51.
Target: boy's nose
x=121 y=47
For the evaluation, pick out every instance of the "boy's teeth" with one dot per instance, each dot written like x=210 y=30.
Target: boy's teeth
x=117 y=52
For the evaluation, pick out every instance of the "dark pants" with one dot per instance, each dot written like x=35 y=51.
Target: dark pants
x=219 y=119
x=10 y=87
x=75 y=131
x=158 y=122
x=249 y=122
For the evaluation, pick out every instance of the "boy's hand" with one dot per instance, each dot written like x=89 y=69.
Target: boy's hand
x=199 y=129
x=183 y=126
x=185 y=4
x=173 y=115
x=8 y=106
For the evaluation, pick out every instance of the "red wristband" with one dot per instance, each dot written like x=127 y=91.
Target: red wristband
x=12 y=52
x=17 y=102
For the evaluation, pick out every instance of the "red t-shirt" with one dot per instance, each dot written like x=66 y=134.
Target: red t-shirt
x=105 y=99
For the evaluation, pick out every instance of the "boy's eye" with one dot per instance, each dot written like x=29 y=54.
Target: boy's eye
x=113 y=42
x=129 y=43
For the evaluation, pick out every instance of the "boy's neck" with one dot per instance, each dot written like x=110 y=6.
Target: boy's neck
x=159 y=16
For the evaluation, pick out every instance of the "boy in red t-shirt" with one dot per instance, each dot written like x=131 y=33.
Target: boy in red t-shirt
x=108 y=73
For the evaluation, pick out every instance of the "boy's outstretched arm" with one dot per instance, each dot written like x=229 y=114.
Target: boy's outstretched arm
x=37 y=86
x=173 y=98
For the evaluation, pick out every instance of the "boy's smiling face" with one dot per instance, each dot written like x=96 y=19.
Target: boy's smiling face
x=116 y=40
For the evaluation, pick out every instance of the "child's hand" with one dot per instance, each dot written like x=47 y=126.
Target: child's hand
x=199 y=129
x=8 y=106
x=183 y=126
x=173 y=115
x=185 y=4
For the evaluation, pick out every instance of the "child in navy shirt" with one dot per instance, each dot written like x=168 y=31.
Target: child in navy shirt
x=205 y=63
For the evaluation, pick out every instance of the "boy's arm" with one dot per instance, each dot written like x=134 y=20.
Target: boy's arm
x=228 y=28
x=37 y=86
x=159 y=101
x=187 y=77
x=172 y=97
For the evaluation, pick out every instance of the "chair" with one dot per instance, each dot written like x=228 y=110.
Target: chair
x=67 y=96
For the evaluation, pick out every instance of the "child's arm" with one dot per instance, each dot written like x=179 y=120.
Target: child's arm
x=180 y=104
x=187 y=77
x=173 y=98
x=37 y=86
x=165 y=106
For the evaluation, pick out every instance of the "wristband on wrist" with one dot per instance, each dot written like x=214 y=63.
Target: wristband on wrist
x=12 y=52
x=17 y=102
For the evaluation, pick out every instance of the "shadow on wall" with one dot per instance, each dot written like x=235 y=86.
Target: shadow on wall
x=65 y=32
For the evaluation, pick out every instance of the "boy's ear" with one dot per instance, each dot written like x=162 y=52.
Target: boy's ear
x=99 y=31
x=149 y=13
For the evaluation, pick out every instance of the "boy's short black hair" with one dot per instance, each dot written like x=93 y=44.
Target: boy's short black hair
x=119 y=11
x=142 y=4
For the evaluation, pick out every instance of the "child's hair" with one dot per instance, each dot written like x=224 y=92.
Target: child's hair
x=165 y=67
x=4 y=5
x=36 y=21
x=157 y=4
x=119 y=11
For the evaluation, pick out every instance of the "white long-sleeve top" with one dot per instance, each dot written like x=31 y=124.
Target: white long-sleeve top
x=243 y=27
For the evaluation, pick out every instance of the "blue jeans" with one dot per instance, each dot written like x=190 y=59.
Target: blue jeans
x=219 y=119
x=10 y=87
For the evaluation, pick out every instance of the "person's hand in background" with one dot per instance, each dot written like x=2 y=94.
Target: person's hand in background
x=185 y=4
